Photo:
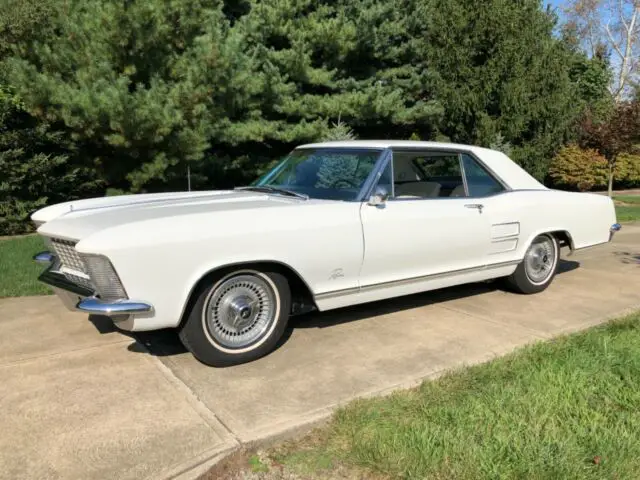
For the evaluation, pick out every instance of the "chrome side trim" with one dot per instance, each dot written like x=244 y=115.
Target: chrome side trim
x=506 y=237
x=43 y=257
x=408 y=281
x=515 y=241
x=337 y=293
x=94 y=305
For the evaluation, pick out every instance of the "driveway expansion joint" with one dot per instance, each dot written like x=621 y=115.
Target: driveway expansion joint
x=61 y=353
x=525 y=330
x=192 y=398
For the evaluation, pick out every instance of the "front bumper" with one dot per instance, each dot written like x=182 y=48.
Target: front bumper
x=79 y=297
x=94 y=305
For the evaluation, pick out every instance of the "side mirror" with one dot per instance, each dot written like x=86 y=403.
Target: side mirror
x=379 y=197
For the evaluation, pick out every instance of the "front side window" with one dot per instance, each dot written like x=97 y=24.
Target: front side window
x=480 y=183
x=427 y=175
x=326 y=173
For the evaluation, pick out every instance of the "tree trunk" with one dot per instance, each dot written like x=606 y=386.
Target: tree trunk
x=610 y=189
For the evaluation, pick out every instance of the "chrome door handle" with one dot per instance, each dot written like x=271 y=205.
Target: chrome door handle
x=478 y=206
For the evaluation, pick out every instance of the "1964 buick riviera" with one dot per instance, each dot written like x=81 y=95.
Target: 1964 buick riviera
x=333 y=224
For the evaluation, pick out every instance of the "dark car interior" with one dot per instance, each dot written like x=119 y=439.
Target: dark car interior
x=437 y=175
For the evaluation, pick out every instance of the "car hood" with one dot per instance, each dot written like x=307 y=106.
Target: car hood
x=76 y=220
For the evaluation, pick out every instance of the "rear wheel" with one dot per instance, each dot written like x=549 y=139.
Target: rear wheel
x=237 y=317
x=539 y=266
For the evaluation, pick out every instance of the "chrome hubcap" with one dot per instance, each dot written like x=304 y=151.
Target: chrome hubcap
x=540 y=259
x=240 y=311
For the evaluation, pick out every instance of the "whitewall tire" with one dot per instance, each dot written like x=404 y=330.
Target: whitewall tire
x=539 y=266
x=237 y=317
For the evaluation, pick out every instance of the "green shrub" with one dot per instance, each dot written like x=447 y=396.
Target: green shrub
x=581 y=169
x=628 y=170
x=577 y=168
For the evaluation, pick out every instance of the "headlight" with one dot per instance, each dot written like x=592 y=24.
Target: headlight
x=104 y=277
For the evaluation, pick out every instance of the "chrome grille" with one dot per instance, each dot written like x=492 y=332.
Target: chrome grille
x=70 y=262
x=104 y=277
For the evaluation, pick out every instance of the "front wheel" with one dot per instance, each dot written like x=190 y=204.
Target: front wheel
x=539 y=266
x=237 y=317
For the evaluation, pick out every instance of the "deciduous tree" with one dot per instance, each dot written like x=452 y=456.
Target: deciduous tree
x=615 y=26
x=617 y=134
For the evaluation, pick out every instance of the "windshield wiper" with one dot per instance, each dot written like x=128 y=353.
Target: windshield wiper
x=270 y=189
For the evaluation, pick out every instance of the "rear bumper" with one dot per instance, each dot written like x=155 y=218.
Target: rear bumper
x=614 y=228
x=78 y=297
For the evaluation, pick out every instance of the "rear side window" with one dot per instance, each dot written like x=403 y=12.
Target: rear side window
x=480 y=183
x=426 y=174
x=439 y=166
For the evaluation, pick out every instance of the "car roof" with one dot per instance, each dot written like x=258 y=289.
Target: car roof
x=391 y=144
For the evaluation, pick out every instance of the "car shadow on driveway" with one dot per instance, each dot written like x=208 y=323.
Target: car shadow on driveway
x=104 y=324
x=163 y=343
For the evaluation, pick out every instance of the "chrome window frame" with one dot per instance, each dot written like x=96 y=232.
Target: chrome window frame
x=490 y=172
x=385 y=157
x=457 y=151
x=376 y=174
x=464 y=176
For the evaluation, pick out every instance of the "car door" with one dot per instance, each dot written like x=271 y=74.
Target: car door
x=502 y=211
x=429 y=225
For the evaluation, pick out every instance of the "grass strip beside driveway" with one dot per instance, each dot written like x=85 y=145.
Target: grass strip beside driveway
x=567 y=408
x=628 y=208
x=18 y=272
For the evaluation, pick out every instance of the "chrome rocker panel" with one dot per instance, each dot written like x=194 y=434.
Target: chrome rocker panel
x=87 y=302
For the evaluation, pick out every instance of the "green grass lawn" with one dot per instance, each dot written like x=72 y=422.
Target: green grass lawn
x=629 y=211
x=18 y=272
x=568 y=408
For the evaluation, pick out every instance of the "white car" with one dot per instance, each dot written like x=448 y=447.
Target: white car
x=333 y=224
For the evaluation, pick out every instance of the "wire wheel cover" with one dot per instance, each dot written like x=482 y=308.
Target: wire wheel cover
x=240 y=311
x=540 y=259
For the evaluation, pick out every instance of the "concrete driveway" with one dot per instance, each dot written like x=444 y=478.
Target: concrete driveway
x=80 y=400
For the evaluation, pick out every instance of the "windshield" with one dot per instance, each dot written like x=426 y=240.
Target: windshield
x=326 y=173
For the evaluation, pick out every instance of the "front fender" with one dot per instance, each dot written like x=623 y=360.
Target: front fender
x=161 y=261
